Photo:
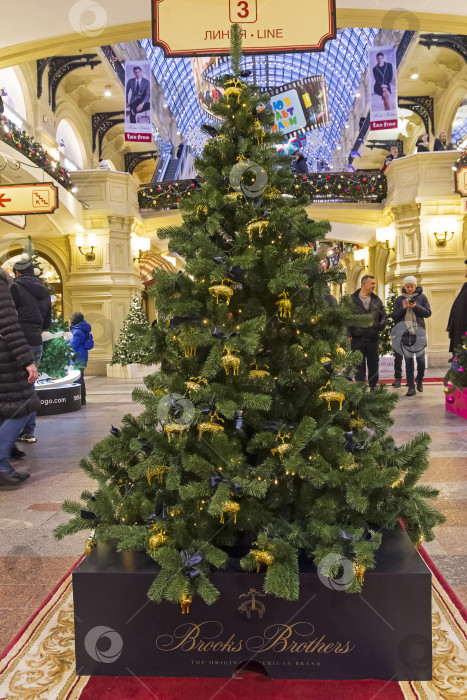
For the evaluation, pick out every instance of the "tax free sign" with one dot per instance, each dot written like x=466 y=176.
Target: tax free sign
x=202 y=28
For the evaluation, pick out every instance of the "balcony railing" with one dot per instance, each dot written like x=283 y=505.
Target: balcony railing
x=362 y=186
x=31 y=149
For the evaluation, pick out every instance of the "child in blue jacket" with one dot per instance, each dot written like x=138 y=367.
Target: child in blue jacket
x=81 y=343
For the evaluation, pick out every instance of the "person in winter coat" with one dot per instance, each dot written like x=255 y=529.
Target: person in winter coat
x=300 y=165
x=441 y=142
x=32 y=301
x=422 y=144
x=17 y=376
x=81 y=343
x=412 y=308
x=366 y=339
x=457 y=324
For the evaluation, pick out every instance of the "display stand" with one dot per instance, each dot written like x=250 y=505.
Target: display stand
x=133 y=371
x=54 y=399
x=383 y=633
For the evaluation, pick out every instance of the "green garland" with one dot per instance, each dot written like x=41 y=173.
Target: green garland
x=363 y=186
x=25 y=144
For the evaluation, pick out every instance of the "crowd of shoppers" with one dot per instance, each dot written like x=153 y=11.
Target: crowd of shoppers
x=25 y=313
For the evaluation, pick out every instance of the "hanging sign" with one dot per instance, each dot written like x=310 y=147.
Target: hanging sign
x=300 y=106
x=28 y=199
x=202 y=28
x=138 y=101
x=461 y=182
x=383 y=88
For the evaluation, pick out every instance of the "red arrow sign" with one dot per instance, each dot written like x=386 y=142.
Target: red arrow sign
x=28 y=198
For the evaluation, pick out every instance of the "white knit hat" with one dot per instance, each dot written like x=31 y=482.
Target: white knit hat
x=410 y=280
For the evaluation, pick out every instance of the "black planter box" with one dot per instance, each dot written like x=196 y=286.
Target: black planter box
x=60 y=399
x=383 y=633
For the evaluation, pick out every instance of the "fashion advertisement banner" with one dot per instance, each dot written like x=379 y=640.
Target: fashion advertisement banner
x=383 y=88
x=138 y=101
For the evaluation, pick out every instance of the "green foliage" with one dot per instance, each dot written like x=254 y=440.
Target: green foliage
x=385 y=345
x=129 y=348
x=236 y=443
x=457 y=374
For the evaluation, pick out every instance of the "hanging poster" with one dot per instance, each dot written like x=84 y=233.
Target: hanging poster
x=138 y=101
x=383 y=88
x=300 y=106
x=207 y=92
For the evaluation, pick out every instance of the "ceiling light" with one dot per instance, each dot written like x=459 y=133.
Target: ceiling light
x=414 y=76
x=357 y=94
x=347 y=126
x=107 y=91
x=74 y=189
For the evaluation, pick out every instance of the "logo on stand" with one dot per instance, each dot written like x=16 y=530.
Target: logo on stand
x=252 y=605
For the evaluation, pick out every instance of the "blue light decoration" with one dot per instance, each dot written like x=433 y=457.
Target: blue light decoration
x=343 y=62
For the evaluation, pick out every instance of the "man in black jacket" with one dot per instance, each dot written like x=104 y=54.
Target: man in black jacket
x=17 y=376
x=457 y=324
x=32 y=301
x=366 y=340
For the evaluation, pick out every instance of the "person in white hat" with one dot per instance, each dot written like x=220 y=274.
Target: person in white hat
x=411 y=309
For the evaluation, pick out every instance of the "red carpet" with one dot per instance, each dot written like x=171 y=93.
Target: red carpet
x=258 y=688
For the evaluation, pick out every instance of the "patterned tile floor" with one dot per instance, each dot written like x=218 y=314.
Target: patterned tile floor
x=32 y=561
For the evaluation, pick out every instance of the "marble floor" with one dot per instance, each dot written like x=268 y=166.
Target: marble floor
x=32 y=561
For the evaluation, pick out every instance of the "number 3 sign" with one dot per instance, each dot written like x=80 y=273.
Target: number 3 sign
x=243 y=11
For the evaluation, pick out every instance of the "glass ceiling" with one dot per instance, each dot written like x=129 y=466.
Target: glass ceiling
x=343 y=62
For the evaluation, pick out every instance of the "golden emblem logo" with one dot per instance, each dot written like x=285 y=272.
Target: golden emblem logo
x=252 y=605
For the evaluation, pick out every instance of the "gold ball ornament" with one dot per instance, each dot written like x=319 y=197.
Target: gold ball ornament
x=221 y=290
x=303 y=250
x=262 y=556
x=357 y=424
x=229 y=361
x=340 y=351
x=449 y=389
x=285 y=305
x=230 y=507
x=90 y=543
x=185 y=602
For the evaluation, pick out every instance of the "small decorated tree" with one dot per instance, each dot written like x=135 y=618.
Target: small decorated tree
x=385 y=345
x=130 y=348
x=57 y=354
x=457 y=375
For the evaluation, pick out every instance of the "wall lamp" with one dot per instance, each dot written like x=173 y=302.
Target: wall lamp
x=139 y=245
x=360 y=255
x=444 y=228
x=443 y=238
x=90 y=243
x=385 y=237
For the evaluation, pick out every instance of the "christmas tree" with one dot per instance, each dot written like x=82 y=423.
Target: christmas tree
x=129 y=348
x=385 y=344
x=29 y=256
x=57 y=354
x=456 y=376
x=251 y=435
